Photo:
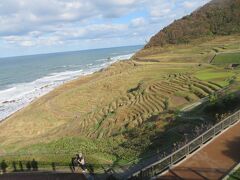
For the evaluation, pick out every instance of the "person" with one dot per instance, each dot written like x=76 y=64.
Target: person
x=81 y=161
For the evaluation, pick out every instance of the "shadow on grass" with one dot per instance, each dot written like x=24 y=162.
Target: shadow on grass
x=19 y=166
x=149 y=143
x=153 y=145
x=24 y=170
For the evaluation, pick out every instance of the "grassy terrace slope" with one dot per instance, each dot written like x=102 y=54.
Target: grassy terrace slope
x=225 y=58
x=115 y=115
x=202 y=50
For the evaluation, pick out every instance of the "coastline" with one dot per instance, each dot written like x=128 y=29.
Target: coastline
x=65 y=83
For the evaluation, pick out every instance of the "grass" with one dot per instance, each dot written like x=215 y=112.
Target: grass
x=61 y=150
x=109 y=114
x=227 y=58
x=235 y=175
x=217 y=75
x=200 y=51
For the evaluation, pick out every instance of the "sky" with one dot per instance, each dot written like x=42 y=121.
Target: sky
x=45 y=26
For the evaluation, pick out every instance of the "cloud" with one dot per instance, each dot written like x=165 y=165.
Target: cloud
x=160 y=9
x=29 y=41
x=69 y=33
x=189 y=4
x=53 y=23
x=193 y=4
x=138 y=22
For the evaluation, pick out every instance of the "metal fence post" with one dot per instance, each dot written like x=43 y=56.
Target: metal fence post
x=187 y=150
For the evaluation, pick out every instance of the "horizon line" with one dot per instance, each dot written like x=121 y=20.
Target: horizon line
x=59 y=52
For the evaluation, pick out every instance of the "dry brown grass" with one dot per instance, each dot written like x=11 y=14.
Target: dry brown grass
x=123 y=96
x=199 y=51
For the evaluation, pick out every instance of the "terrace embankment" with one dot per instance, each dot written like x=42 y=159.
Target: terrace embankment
x=105 y=115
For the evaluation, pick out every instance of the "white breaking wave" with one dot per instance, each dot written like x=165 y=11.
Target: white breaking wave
x=20 y=95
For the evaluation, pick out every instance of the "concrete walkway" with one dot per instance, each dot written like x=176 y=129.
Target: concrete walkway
x=213 y=161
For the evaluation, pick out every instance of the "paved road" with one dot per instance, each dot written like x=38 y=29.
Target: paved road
x=213 y=161
x=42 y=176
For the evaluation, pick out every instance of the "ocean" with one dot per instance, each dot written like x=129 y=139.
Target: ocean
x=25 y=78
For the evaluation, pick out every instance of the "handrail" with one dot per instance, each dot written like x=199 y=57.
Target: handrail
x=151 y=170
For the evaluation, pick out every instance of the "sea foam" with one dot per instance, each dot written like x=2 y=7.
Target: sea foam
x=18 y=96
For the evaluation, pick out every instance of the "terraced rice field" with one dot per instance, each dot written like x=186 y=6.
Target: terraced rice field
x=227 y=58
x=116 y=115
x=143 y=101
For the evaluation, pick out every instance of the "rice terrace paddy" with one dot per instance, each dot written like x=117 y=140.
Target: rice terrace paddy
x=225 y=58
x=125 y=112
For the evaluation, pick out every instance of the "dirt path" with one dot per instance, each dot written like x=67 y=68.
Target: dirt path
x=213 y=161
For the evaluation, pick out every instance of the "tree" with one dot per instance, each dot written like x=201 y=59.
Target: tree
x=213 y=98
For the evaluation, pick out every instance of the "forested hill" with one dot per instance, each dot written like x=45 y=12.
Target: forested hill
x=219 y=17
